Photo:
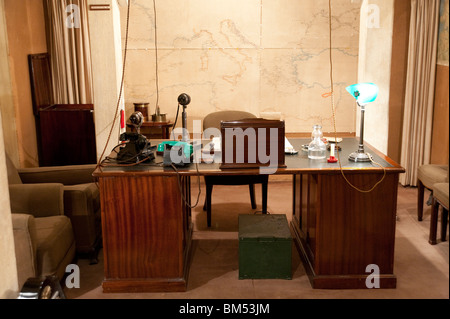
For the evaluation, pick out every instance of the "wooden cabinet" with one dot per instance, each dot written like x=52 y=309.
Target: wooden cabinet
x=153 y=130
x=65 y=132
x=66 y=135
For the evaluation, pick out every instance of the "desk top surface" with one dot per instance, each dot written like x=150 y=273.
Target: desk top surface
x=295 y=164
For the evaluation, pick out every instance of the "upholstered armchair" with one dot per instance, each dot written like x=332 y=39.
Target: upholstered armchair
x=43 y=237
x=427 y=176
x=440 y=198
x=80 y=199
x=44 y=246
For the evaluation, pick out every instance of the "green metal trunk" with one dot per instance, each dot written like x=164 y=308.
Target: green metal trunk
x=265 y=247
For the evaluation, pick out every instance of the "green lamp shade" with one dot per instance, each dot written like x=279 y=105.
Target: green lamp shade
x=364 y=92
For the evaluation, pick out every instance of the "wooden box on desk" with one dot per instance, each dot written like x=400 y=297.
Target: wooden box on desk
x=253 y=143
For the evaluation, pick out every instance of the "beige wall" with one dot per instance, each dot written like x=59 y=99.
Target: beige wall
x=107 y=65
x=265 y=56
x=6 y=95
x=8 y=272
x=255 y=55
x=375 y=66
x=26 y=35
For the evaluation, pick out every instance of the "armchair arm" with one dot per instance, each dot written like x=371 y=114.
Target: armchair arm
x=25 y=246
x=82 y=206
x=67 y=175
x=81 y=199
x=39 y=200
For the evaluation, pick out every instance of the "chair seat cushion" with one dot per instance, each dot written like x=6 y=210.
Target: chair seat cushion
x=432 y=174
x=440 y=192
x=55 y=243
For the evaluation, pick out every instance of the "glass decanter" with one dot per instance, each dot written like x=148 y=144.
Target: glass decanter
x=317 y=148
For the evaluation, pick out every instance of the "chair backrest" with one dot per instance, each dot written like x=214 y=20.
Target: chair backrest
x=13 y=174
x=213 y=120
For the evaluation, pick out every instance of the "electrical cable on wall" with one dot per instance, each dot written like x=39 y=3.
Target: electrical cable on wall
x=156 y=61
x=116 y=114
x=331 y=94
x=108 y=160
x=121 y=86
x=157 y=112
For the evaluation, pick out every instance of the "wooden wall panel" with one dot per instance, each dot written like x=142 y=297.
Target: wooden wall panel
x=440 y=142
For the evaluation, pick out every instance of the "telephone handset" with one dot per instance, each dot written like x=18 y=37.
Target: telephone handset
x=135 y=148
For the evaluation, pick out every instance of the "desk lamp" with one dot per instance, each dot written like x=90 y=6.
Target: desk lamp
x=364 y=93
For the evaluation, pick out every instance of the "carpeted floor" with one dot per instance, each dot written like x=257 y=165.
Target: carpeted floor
x=422 y=269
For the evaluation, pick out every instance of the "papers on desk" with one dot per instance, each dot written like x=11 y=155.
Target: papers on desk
x=333 y=139
x=288 y=148
x=215 y=146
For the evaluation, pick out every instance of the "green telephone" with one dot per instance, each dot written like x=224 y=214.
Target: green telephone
x=176 y=152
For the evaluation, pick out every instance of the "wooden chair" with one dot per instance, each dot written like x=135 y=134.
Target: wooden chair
x=214 y=120
x=427 y=176
x=440 y=198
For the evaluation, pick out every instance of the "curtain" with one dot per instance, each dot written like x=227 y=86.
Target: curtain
x=69 y=48
x=420 y=88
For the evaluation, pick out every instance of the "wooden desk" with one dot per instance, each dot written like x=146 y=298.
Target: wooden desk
x=154 y=130
x=338 y=231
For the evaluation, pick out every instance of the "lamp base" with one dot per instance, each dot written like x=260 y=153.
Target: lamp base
x=359 y=157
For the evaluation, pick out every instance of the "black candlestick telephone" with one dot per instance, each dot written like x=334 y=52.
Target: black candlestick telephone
x=136 y=148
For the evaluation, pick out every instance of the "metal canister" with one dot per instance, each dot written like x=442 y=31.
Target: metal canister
x=158 y=117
